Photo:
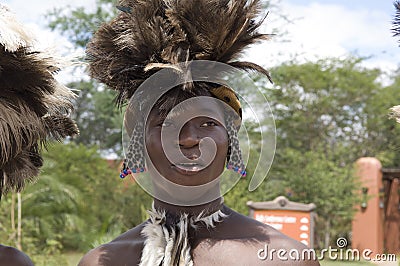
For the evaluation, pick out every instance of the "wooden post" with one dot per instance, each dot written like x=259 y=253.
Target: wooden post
x=392 y=221
x=12 y=218
x=19 y=228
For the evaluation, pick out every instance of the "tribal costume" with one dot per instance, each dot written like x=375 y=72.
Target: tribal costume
x=152 y=35
x=167 y=237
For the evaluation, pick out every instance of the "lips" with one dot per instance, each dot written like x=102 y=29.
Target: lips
x=187 y=168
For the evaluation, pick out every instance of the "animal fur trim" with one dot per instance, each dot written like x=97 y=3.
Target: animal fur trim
x=167 y=242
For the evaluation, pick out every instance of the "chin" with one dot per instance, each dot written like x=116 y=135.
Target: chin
x=176 y=194
x=189 y=177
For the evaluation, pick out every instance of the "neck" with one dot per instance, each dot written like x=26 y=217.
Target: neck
x=206 y=208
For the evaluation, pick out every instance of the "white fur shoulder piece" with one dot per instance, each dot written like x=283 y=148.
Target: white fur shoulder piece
x=167 y=244
x=13 y=35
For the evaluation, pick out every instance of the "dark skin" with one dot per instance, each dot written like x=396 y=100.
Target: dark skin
x=196 y=123
x=235 y=241
x=10 y=256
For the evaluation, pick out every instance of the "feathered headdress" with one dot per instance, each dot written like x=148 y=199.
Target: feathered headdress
x=395 y=111
x=150 y=35
x=396 y=20
x=34 y=107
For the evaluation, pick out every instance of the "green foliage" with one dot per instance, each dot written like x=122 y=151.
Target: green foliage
x=324 y=101
x=78 y=24
x=99 y=120
x=46 y=260
x=328 y=114
x=314 y=178
x=78 y=199
x=7 y=232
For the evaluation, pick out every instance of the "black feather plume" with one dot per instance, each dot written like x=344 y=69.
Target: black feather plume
x=152 y=34
x=34 y=107
x=396 y=19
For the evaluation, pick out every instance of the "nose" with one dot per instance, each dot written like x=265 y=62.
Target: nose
x=188 y=136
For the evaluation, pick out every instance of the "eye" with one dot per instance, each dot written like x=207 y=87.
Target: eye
x=209 y=124
x=167 y=123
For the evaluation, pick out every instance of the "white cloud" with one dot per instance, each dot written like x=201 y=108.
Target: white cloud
x=318 y=30
x=328 y=30
x=32 y=14
x=33 y=11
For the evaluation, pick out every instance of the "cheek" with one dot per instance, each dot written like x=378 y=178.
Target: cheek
x=222 y=144
x=153 y=143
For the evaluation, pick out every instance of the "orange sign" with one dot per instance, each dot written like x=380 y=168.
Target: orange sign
x=296 y=224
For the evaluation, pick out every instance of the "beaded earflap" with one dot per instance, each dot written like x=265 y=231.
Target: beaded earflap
x=234 y=158
x=135 y=160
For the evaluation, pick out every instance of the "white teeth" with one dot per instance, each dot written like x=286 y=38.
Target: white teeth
x=188 y=164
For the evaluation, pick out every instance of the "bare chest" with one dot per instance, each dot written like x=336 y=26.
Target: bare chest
x=226 y=252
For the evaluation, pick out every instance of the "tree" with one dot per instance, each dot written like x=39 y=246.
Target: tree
x=99 y=121
x=78 y=24
x=328 y=114
x=78 y=200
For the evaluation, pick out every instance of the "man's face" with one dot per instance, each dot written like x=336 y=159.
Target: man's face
x=188 y=147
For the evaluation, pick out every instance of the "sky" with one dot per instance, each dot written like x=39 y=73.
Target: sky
x=335 y=28
x=317 y=29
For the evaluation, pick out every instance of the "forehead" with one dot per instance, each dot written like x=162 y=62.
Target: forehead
x=201 y=106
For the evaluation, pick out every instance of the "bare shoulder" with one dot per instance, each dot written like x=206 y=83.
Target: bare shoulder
x=13 y=257
x=269 y=245
x=126 y=249
x=285 y=250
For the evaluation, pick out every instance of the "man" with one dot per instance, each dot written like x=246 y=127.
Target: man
x=168 y=59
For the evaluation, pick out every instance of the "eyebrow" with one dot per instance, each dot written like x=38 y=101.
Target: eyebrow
x=203 y=112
